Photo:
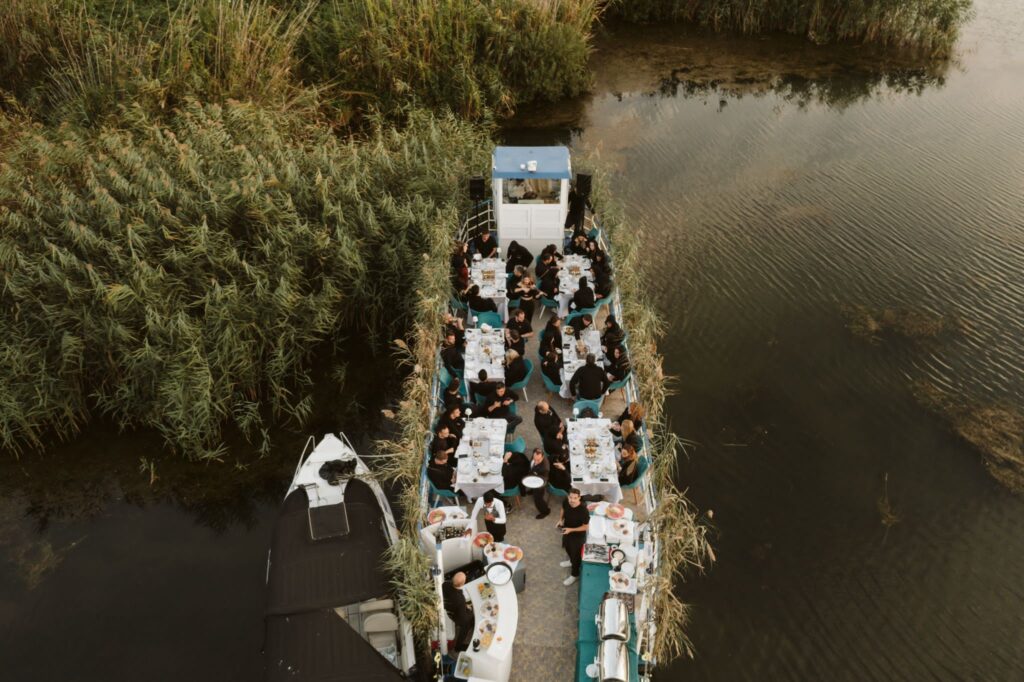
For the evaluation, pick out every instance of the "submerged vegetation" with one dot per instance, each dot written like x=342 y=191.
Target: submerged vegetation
x=929 y=25
x=873 y=324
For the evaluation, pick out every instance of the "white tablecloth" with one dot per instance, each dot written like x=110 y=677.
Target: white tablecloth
x=589 y=470
x=489 y=274
x=573 y=267
x=479 y=457
x=572 y=361
x=485 y=350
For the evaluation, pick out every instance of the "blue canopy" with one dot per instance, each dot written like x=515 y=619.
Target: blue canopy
x=552 y=162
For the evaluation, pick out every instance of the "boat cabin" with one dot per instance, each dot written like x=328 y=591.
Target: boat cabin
x=531 y=195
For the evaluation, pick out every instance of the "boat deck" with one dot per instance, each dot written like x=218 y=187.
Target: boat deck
x=545 y=645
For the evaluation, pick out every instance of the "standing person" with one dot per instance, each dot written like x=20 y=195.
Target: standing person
x=539 y=467
x=484 y=245
x=577 y=210
x=494 y=514
x=574 y=521
x=458 y=610
x=545 y=419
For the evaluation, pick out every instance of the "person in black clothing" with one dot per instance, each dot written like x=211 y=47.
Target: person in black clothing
x=618 y=366
x=515 y=368
x=613 y=335
x=499 y=406
x=485 y=245
x=593 y=248
x=634 y=413
x=460 y=266
x=479 y=304
x=539 y=467
x=483 y=388
x=444 y=443
x=458 y=610
x=517 y=255
x=577 y=210
x=513 y=341
x=552 y=336
x=441 y=473
x=451 y=354
x=545 y=419
x=555 y=443
x=630 y=436
x=527 y=294
x=584 y=296
x=574 y=521
x=521 y=324
x=549 y=283
x=453 y=420
x=513 y=280
x=629 y=469
x=514 y=468
x=581 y=324
x=452 y=396
x=578 y=245
x=552 y=367
x=560 y=477
x=455 y=325
x=547 y=264
x=589 y=382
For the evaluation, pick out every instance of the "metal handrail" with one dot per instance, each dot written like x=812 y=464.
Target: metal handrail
x=302 y=456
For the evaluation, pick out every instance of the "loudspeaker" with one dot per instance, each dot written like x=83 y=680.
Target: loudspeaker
x=476 y=188
x=583 y=181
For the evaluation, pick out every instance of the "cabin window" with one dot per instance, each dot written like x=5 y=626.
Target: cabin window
x=531 y=191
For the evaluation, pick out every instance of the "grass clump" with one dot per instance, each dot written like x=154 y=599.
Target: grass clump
x=182 y=274
x=929 y=25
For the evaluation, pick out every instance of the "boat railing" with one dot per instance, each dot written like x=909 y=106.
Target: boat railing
x=479 y=217
x=302 y=457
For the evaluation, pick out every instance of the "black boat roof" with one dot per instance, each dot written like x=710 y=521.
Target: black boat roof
x=308 y=574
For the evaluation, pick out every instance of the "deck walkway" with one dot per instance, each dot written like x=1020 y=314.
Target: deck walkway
x=545 y=646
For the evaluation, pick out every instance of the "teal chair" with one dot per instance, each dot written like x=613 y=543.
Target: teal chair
x=513 y=303
x=550 y=303
x=557 y=492
x=486 y=317
x=439 y=495
x=522 y=384
x=444 y=376
x=518 y=445
x=642 y=465
x=549 y=384
x=456 y=304
x=573 y=316
x=514 y=494
x=606 y=301
x=581 y=405
x=621 y=384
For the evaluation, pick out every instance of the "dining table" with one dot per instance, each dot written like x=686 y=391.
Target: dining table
x=489 y=274
x=485 y=350
x=592 y=460
x=479 y=457
x=573 y=267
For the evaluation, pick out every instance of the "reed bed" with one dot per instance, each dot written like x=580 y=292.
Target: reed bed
x=928 y=25
x=181 y=274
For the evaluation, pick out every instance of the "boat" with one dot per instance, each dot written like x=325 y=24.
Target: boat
x=329 y=613
x=602 y=626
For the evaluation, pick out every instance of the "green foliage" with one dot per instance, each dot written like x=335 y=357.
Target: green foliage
x=930 y=25
x=466 y=56
x=180 y=274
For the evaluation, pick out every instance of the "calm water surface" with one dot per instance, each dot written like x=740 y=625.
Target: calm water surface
x=776 y=183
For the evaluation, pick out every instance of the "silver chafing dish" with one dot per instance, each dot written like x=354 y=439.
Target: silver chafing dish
x=613 y=619
x=613 y=661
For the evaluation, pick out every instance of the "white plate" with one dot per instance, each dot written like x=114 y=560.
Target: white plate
x=533 y=482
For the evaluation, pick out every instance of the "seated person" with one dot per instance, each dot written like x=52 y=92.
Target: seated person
x=552 y=367
x=545 y=419
x=618 y=366
x=581 y=324
x=514 y=467
x=441 y=473
x=514 y=341
x=629 y=469
x=527 y=294
x=451 y=354
x=520 y=323
x=494 y=514
x=453 y=420
x=455 y=325
x=560 y=475
x=578 y=245
x=551 y=339
x=555 y=443
x=444 y=442
x=485 y=245
x=513 y=280
x=517 y=255
x=460 y=266
x=515 y=367
x=584 y=296
x=479 y=304
x=589 y=382
x=635 y=413
x=549 y=284
x=499 y=406
x=613 y=335
x=482 y=388
x=630 y=436
x=451 y=394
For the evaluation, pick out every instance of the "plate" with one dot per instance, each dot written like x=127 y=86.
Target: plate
x=492 y=551
x=628 y=568
x=592 y=670
x=456 y=514
x=622 y=527
x=615 y=511
x=619 y=581
x=533 y=482
x=483 y=539
x=436 y=516
x=513 y=554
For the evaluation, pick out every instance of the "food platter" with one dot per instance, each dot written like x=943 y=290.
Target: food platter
x=481 y=540
x=619 y=581
x=513 y=554
x=615 y=511
x=490 y=609
x=436 y=516
x=486 y=590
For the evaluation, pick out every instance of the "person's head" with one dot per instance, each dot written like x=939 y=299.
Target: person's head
x=519 y=271
x=520 y=315
x=583 y=283
x=460 y=247
x=511 y=355
x=627 y=428
x=488 y=497
x=610 y=323
x=552 y=356
x=554 y=323
x=617 y=352
x=546 y=257
x=443 y=432
x=514 y=336
x=473 y=291
x=591 y=359
x=453 y=387
x=543 y=407
x=459 y=579
x=499 y=390
x=527 y=281
x=587 y=320
x=636 y=411
x=574 y=497
x=538 y=455
x=441 y=457
x=449 y=338
x=485 y=233
x=628 y=452
x=455 y=411
x=482 y=375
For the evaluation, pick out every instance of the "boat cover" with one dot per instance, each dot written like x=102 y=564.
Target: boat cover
x=319 y=646
x=307 y=574
x=552 y=162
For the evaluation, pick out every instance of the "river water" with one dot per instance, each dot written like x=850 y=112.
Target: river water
x=777 y=184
